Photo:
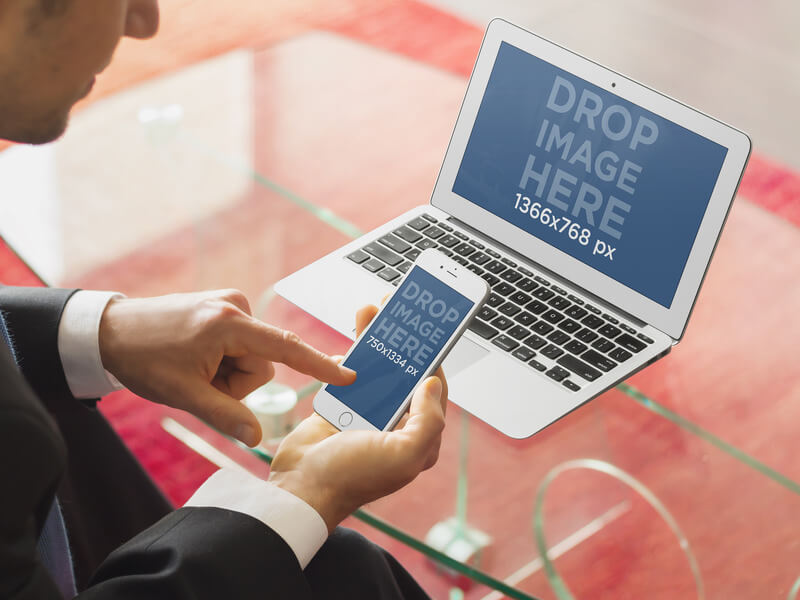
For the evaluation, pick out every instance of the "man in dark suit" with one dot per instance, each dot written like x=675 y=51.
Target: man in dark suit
x=72 y=495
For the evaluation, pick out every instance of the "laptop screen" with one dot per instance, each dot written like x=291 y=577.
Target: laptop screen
x=613 y=185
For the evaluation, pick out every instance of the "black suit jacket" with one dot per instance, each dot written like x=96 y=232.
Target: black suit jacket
x=50 y=442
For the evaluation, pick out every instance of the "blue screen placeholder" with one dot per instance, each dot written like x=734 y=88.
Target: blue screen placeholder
x=613 y=185
x=400 y=344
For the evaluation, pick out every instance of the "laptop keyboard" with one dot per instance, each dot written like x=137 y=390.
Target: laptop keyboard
x=553 y=331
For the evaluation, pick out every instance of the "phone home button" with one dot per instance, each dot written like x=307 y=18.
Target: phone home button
x=345 y=419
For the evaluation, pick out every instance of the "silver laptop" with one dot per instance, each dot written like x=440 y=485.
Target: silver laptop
x=589 y=202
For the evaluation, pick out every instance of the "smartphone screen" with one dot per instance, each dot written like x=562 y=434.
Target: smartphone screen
x=400 y=345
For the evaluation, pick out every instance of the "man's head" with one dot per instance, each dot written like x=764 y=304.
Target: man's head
x=50 y=52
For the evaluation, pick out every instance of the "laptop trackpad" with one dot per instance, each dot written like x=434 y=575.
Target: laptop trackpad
x=465 y=354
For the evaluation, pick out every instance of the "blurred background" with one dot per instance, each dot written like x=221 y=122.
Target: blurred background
x=251 y=137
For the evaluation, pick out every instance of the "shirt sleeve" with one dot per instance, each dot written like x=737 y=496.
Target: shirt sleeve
x=300 y=526
x=79 y=345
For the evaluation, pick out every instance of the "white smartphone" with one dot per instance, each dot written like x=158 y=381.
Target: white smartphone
x=405 y=342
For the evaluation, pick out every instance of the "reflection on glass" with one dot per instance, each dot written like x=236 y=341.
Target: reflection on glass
x=559 y=586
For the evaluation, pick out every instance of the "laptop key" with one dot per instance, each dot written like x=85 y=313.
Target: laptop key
x=627 y=328
x=492 y=253
x=505 y=342
x=492 y=280
x=388 y=274
x=509 y=262
x=373 y=265
x=425 y=243
x=525 y=318
x=395 y=243
x=619 y=354
x=413 y=254
x=603 y=345
x=631 y=343
x=644 y=338
x=523 y=353
x=445 y=251
x=536 y=307
x=404 y=267
x=586 y=335
x=558 y=290
x=609 y=331
x=558 y=337
x=552 y=351
x=463 y=249
x=518 y=332
x=502 y=323
x=407 y=234
x=569 y=326
x=525 y=271
x=479 y=258
x=460 y=260
x=487 y=313
x=477 y=244
x=592 y=322
x=460 y=235
x=575 y=299
x=433 y=232
x=537 y=365
x=559 y=302
x=571 y=386
x=509 y=309
x=542 y=327
x=503 y=288
x=541 y=280
x=487 y=332
x=552 y=316
x=419 y=224
x=520 y=298
x=448 y=241
x=527 y=284
x=592 y=309
x=543 y=293
x=358 y=257
x=575 y=347
x=494 y=299
x=534 y=342
x=511 y=275
x=610 y=319
x=596 y=359
x=382 y=252
x=576 y=312
x=579 y=367
x=429 y=218
x=495 y=266
x=475 y=269
x=557 y=373
x=445 y=226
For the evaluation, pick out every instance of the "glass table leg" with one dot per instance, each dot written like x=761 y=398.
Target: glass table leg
x=454 y=536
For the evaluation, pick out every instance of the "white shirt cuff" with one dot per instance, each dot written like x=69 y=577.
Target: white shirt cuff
x=300 y=526
x=79 y=345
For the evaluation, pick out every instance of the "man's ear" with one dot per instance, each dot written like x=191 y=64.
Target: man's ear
x=142 y=19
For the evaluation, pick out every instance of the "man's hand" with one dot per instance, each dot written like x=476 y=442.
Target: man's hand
x=337 y=472
x=203 y=353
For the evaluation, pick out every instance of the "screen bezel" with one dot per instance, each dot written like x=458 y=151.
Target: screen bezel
x=452 y=274
x=670 y=320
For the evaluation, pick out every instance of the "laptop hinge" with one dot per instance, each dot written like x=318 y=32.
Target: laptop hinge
x=524 y=259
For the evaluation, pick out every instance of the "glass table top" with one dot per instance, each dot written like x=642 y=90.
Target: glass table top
x=682 y=482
